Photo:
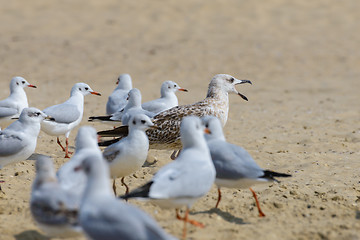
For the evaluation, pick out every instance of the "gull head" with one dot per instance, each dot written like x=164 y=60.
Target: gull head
x=19 y=82
x=191 y=131
x=83 y=89
x=215 y=128
x=170 y=86
x=86 y=138
x=140 y=121
x=33 y=115
x=134 y=97
x=227 y=83
x=124 y=82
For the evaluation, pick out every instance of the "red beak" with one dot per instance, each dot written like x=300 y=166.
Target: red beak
x=33 y=86
x=183 y=89
x=96 y=93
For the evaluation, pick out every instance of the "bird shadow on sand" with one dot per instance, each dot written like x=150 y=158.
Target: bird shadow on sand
x=224 y=215
x=30 y=235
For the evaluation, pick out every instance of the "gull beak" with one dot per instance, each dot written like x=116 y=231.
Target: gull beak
x=49 y=118
x=183 y=89
x=207 y=131
x=95 y=93
x=33 y=86
x=236 y=82
x=154 y=127
x=117 y=82
x=15 y=118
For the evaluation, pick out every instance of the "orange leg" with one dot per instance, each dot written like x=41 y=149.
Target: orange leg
x=67 y=152
x=219 y=198
x=186 y=219
x=261 y=214
x=124 y=184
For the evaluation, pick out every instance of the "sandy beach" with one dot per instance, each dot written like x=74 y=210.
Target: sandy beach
x=302 y=117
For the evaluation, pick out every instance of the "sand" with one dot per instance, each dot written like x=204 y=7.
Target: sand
x=302 y=116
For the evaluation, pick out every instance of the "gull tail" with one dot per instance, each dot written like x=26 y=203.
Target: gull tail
x=141 y=192
x=270 y=175
x=99 y=118
x=121 y=131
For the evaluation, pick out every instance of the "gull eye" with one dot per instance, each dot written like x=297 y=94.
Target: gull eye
x=86 y=88
x=134 y=122
x=23 y=82
x=143 y=121
x=232 y=80
x=174 y=86
x=207 y=125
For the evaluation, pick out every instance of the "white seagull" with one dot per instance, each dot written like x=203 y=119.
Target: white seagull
x=67 y=115
x=118 y=98
x=167 y=100
x=12 y=106
x=102 y=216
x=235 y=168
x=54 y=209
x=185 y=180
x=85 y=144
x=129 y=154
x=18 y=140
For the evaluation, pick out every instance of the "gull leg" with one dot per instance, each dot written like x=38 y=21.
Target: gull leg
x=186 y=219
x=67 y=148
x=58 y=142
x=219 y=198
x=261 y=214
x=114 y=186
x=124 y=184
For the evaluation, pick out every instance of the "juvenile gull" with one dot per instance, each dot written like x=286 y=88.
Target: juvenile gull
x=18 y=140
x=129 y=154
x=85 y=145
x=54 y=209
x=12 y=106
x=167 y=100
x=167 y=136
x=118 y=98
x=235 y=168
x=185 y=180
x=67 y=115
x=102 y=216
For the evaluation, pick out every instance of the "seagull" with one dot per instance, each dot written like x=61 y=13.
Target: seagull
x=12 y=106
x=129 y=154
x=67 y=115
x=85 y=144
x=102 y=216
x=167 y=135
x=18 y=140
x=235 y=168
x=118 y=98
x=184 y=180
x=167 y=100
x=54 y=209
x=132 y=108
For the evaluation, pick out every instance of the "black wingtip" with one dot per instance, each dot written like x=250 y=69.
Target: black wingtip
x=108 y=142
x=271 y=175
x=100 y=118
x=141 y=192
x=119 y=131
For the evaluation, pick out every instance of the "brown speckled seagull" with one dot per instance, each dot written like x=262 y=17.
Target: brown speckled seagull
x=167 y=133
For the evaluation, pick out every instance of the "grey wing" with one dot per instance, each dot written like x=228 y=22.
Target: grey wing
x=116 y=101
x=111 y=222
x=233 y=162
x=176 y=180
x=10 y=144
x=7 y=112
x=154 y=106
x=63 y=113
